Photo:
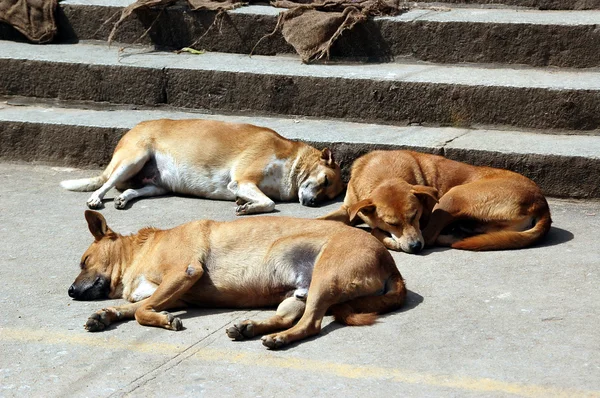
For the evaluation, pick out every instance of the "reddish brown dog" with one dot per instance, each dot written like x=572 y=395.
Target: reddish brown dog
x=480 y=208
x=306 y=267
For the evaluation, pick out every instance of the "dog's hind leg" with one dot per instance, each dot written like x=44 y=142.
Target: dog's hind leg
x=121 y=168
x=255 y=200
x=308 y=325
x=453 y=205
x=498 y=207
x=363 y=310
x=148 y=190
x=322 y=294
x=342 y=273
x=290 y=310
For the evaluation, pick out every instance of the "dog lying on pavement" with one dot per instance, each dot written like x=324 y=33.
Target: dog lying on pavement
x=216 y=160
x=304 y=266
x=398 y=193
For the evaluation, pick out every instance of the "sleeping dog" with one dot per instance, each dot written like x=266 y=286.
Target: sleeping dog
x=412 y=199
x=215 y=160
x=305 y=267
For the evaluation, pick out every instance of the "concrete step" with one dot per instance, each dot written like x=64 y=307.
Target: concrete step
x=539 y=4
x=417 y=93
x=511 y=36
x=564 y=165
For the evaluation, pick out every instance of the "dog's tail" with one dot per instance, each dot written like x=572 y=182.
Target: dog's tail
x=363 y=310
x=500 y=240
x=84 y=184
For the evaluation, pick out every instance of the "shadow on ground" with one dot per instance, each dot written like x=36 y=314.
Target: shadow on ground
x=412 y=300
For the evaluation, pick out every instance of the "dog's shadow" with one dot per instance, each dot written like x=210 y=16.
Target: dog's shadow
x=133 y=202
x=412 y=300
x=182 y=313
x=556 y=236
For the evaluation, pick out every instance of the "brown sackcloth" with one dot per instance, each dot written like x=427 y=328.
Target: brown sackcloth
x=33 y=18
x=134 y=6
x=216 y=5
x=312 y=27
x=210 y=5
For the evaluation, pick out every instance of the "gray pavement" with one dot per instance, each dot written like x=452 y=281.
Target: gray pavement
x=513 y=323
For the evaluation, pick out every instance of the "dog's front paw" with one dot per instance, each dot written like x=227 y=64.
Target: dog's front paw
x=241 y=331
x=94 y=203
x=242 y=209
x=98 y=321
x=173 y=323
x=120 y=203
x=273 y=341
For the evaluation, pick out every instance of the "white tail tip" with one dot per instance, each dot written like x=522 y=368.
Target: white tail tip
x=83 y=184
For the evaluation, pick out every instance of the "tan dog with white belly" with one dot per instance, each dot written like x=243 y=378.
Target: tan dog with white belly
x=215 y=160
x=304 y=266
x=480 y=208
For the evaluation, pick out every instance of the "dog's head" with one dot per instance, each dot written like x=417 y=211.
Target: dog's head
x=323 y=181
x=97 y=263
x=398 y=209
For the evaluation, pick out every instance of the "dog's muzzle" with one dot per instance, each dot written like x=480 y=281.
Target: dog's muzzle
x=415 y=247
x=98 y=289
x=310 y=202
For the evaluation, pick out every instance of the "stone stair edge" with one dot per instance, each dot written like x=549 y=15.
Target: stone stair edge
x=563 y=165
x=455 y=95
x=538 y=4
x=537 y=38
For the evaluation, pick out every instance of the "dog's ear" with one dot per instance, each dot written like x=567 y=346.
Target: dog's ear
x=429 y=196
x=96 y=224
x=327 y=156
x=364 y=206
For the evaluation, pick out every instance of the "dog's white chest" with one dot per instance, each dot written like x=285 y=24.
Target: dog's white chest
x=193 y=179
x=143 y=290
x=275 y=182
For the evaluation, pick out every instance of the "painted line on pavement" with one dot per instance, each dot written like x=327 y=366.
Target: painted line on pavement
x=270 y=359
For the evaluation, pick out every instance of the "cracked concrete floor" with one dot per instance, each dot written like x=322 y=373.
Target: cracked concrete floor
x=514 y=323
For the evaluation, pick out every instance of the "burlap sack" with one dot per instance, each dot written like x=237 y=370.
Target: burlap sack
x=215 y=5
x=210 y=5
x=312 y=27
x=313 y=32
x=33 y=18
x=127 y=11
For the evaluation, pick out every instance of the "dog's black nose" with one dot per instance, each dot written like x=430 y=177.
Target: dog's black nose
x=415 y=247
x=309 y=202
x=72 y=291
